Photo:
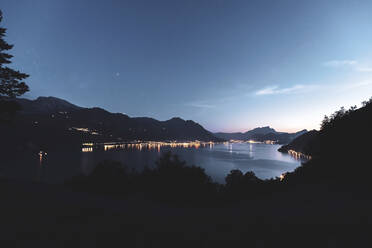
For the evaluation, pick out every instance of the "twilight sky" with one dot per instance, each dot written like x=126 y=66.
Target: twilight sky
x=229 y=65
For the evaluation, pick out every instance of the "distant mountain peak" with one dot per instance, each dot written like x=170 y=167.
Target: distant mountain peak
x=49 y=98
x=176 y=120
x=109 y=126
x=261 y=130
x=45 y=105
x=262 y=134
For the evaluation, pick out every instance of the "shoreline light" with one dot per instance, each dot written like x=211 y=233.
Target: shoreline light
x=298 y=155
x=149 y=145
x=157 y=145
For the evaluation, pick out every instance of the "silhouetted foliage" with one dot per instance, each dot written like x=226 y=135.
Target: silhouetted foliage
x=343 y=149
x=234 y=179
x=8 y=109
x=329 y=122
x=171 y=180
x=241 y=186
x=109 y=176
x=11 y=84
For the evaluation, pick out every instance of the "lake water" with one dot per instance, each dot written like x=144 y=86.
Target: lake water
x=217 y=160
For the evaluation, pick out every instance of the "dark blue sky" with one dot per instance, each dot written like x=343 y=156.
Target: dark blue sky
x=229 y=65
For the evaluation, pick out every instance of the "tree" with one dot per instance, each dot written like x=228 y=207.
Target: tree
x=325 y=122
x=234 y=179
x=11 y=81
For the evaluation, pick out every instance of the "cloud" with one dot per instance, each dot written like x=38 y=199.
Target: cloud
x=267 y=91
x=364 y=69
x=355 y=65
x=340 y=63
x=199 y=105
x=358 y=85
x=275 y=90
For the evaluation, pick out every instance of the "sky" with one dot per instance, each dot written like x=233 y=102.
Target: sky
x=228 y=65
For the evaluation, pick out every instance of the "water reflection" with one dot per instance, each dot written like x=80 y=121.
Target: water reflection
x=299 y=155
x=218 y=159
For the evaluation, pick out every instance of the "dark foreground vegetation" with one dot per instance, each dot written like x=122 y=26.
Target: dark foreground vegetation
x=340 y=150
x=172 y=181
x=178 y=206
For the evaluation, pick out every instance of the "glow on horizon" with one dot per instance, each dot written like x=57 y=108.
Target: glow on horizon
x=295 y=112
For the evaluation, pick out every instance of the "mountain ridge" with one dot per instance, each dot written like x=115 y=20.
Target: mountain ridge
x=55 y=113
x=44 y=104
x=58 y=113
x=262 y=134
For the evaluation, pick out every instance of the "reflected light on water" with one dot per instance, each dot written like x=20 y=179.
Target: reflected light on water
x=298 y=155
x=42 y=154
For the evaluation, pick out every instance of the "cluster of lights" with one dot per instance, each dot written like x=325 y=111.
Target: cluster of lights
x=156 y=145
x=149 y=145
x=298 y=155
x=42 y=154
x=84 y=130
x=87 y=149
x=81 y=129
x=270 y=142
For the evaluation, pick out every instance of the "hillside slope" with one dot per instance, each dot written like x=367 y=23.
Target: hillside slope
x=49 y=121
x=342 y=149
x=307 y=143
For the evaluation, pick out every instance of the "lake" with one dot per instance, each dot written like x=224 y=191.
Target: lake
x=217 y=160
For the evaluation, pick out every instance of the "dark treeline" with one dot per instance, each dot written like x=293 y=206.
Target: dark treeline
x=171 y=180
x=340 y=150
x=11 y=81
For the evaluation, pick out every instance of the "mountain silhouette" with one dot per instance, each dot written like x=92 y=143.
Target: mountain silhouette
x=262 y=134
x=307 y=143
x=247 y=135
x=50 y=121
x=45 y=105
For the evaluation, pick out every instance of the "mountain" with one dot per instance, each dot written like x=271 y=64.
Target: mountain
x=45 y=105
x=247 y=135
x=261 y=130
x=262 y=134
x=50 y=121
x=279 y=137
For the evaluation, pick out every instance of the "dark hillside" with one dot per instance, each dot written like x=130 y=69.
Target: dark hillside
x=343 y=149
x=307 y=143
x=51 y=122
